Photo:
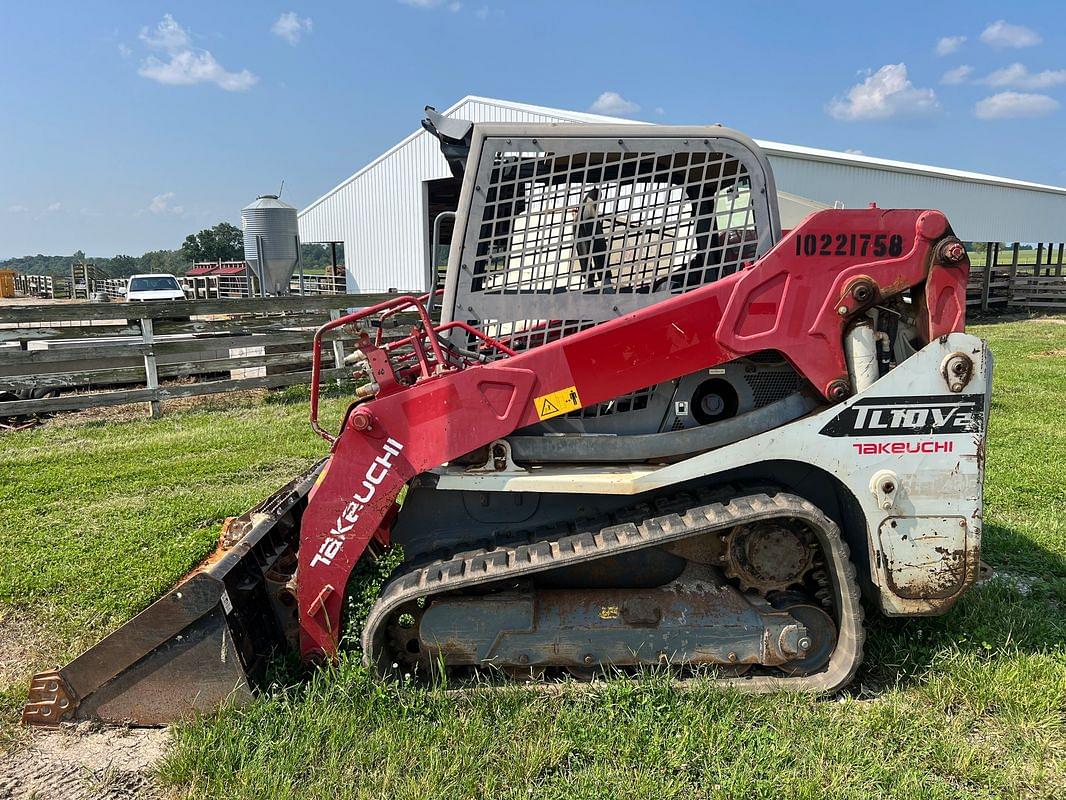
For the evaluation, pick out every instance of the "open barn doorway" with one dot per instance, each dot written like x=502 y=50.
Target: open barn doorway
x=441 y=196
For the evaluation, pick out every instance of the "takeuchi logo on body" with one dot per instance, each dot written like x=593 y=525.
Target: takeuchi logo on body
x=909 y=416
x=375 y=474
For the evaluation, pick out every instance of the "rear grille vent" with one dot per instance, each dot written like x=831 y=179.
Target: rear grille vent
x=770 y=385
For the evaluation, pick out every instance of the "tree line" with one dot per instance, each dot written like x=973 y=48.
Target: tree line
x=223 y=241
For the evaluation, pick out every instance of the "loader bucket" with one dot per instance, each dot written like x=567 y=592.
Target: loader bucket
x=206 y=641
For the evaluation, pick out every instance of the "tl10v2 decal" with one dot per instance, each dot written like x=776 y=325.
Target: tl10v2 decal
x=909 y=416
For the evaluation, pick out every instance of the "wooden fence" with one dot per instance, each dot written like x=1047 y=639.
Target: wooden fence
x=96 y=354
x=1006 y=276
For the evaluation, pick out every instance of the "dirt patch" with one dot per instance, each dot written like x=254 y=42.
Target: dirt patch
x=1023 y=584
x=1056 y=353
x=1049 y=320
x=84 y=762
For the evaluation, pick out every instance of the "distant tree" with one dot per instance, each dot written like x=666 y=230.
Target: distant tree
x=315 y=257
x=121 y=266
x=172 y=261
x=223 y=241
x=56 y=266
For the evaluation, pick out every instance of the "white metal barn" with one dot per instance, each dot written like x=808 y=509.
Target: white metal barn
x=383 y=213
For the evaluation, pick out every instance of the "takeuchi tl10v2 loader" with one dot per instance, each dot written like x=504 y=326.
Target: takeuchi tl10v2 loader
x=637 y=426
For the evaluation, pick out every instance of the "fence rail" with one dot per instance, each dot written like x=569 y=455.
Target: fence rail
x=87 y=284
x=62 y=357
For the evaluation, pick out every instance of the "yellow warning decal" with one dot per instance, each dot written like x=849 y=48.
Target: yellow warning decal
x=561 y=402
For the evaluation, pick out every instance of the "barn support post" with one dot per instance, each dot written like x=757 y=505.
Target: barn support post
x=151 y=374
x=1013 y=272
x=991 y=252
x=300 y=265
x=338 y=348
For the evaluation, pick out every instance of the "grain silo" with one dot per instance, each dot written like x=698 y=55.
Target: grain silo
x=271 y=242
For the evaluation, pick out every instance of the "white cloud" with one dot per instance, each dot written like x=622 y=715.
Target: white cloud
x=884 y=94
x=855 y=151
x=124 y=51
x=159 y=202
x=186 y=65
x=614 y=104
x=18 y=208
x=51 y=208
x=1003 y=34
x=161 y=205
x=290 y=27
x=947 y=45
x=168 y=35
x=453 y=7
x=1008 y=105
x=482 y=13
x=953 y=77
x=659 y=110
x=1019 y=76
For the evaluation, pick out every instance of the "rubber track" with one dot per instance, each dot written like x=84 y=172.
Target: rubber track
x=485 y=566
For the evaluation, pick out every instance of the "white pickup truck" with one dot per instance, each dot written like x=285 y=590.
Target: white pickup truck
x=162 y=286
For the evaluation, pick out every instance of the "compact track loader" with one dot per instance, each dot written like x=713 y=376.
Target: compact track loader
x=637 y=426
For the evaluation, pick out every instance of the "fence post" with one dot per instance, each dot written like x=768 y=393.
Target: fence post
x=991 y=251
x=150 y=373
x=1013 y=273
x=338 y=348
x=1058 y=267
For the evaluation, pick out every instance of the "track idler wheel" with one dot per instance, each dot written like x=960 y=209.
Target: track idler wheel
x=822 y=633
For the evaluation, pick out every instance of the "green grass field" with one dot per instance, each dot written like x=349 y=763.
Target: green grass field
x=97 y=519
x=1025 y=257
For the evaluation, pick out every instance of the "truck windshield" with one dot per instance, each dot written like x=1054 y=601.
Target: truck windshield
x=155 y=283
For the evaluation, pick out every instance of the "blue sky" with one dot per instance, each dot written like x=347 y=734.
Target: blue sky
x=127 y=125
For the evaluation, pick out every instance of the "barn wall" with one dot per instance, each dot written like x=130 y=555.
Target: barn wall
x=378 y=212
x=979 y=212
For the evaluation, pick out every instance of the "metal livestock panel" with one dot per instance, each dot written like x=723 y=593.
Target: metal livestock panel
x=977 y=211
